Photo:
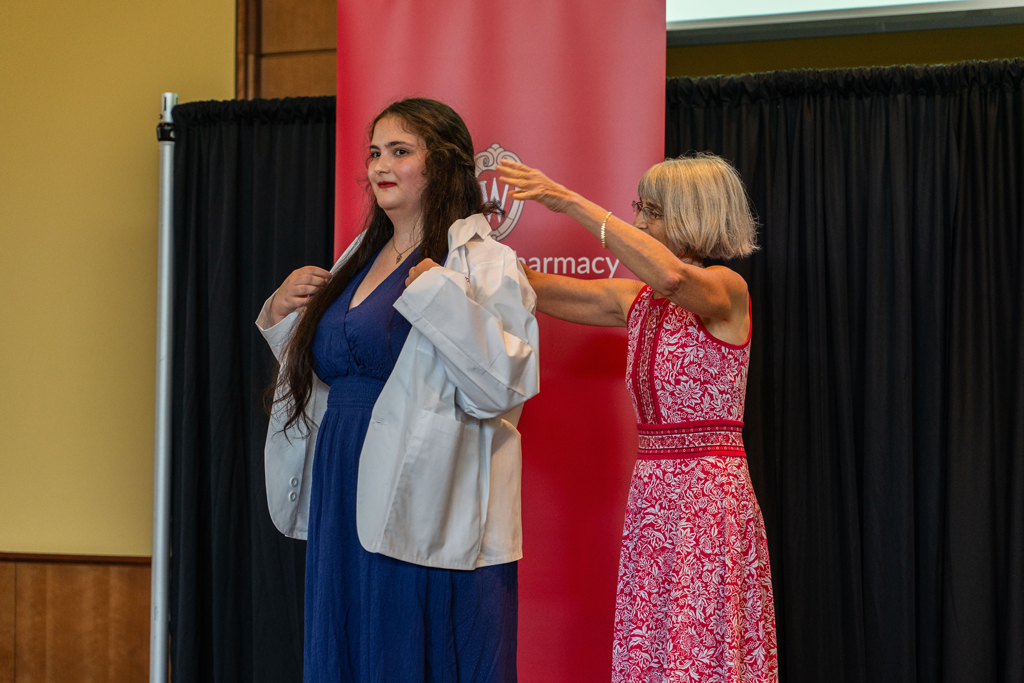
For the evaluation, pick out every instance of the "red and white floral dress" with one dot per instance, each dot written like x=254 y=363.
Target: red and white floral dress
x=694 y=600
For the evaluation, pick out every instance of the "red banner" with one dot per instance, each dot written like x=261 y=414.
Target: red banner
x=576 y=89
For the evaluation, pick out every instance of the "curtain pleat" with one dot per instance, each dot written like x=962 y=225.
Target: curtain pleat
x=253 y=200
x=885 y=408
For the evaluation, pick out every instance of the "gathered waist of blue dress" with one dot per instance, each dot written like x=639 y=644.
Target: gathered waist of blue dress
x=354 y=391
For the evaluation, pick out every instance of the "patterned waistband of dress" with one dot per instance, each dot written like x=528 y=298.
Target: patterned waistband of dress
x=682 y=440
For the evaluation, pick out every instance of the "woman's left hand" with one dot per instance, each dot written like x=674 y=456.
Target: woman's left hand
x=420 y=268
x=532 y=184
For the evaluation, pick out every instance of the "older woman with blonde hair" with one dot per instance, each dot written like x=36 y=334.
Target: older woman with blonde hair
x=694 y=596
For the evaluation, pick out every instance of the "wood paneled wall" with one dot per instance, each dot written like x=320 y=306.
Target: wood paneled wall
x=286 y=48
x=71 y=619
x=7 y=606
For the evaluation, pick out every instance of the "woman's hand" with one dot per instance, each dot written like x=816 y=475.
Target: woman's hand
x=420 y=268
x=532 y=184
x=294 y=292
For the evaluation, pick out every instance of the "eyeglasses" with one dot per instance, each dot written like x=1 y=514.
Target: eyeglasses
x=650 y=214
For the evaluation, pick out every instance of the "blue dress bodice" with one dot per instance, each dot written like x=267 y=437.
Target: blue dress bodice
x=363 y=341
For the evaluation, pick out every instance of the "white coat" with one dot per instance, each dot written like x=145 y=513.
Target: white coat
x=439 y=472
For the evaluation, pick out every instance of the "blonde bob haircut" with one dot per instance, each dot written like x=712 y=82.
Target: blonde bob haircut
x=704 y=206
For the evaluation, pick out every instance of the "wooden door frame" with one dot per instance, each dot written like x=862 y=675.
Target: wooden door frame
x=247 y=49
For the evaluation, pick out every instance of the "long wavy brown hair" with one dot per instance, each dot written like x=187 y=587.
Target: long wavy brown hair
x=452 y=192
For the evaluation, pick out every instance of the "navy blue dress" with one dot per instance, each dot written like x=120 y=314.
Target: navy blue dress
x=371 y=618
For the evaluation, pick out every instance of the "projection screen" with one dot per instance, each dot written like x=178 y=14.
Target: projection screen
x=690 y=23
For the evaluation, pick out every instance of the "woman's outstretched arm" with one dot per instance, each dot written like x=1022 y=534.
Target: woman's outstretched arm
x=601 y=302
x=717 y=292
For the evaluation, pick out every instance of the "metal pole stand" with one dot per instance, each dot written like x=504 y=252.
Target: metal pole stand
x=160 y=588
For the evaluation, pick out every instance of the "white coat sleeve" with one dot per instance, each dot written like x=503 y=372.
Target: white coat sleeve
x=276 y=335
x=484 y=331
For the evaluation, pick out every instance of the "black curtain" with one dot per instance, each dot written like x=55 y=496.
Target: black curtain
x=254 y=199
x=885 y=409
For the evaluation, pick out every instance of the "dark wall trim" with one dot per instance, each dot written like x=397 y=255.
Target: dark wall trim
x=844 y=27
x=75 y=559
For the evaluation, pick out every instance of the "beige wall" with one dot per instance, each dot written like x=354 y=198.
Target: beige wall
x=80 y=85
x=910 y=47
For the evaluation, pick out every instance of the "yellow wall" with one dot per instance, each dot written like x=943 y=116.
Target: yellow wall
x=911 y=47
x=80 y=85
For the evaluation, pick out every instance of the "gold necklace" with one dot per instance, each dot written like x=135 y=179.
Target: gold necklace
x=398 y=254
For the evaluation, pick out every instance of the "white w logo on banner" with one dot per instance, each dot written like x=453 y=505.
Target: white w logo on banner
x=487 y=173
x=494 y=193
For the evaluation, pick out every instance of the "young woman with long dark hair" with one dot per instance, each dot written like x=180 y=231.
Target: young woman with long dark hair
x=393 y=445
